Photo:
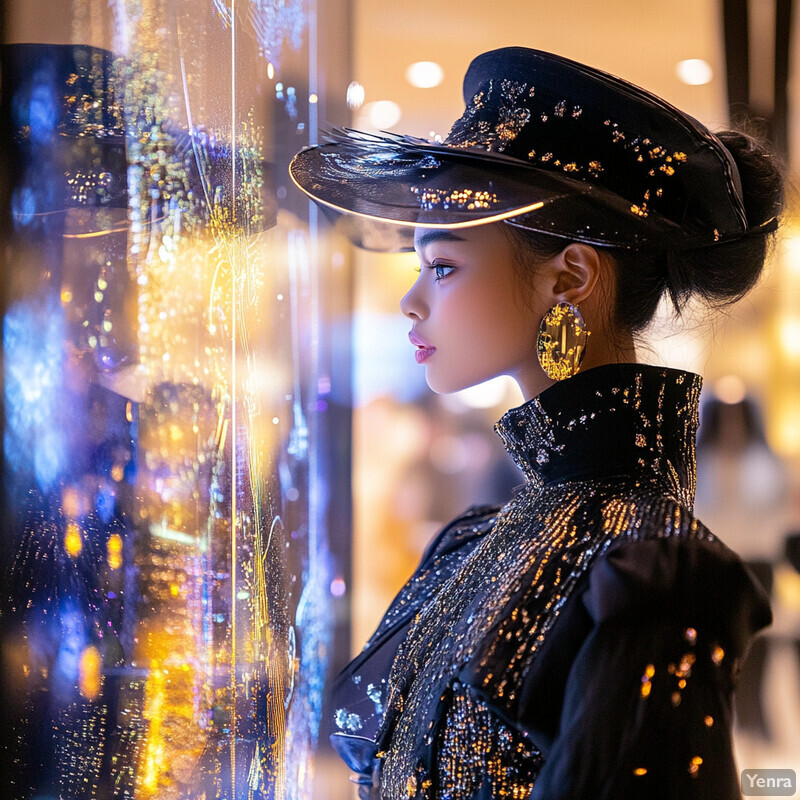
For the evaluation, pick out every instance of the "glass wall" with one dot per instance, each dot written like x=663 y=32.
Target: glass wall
x=168 y=593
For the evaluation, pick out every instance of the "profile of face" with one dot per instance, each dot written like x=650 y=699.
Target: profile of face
x=474 y=317
x=475 y=312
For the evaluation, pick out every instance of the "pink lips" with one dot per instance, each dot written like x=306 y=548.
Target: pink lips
x=424 y=350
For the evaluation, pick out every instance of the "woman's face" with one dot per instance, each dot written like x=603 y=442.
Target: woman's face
x=473 y=316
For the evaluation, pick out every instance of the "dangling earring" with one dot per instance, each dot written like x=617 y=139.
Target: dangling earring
x=562 y=341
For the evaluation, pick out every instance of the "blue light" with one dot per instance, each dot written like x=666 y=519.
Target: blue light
x=43 y=112
x=23 y=206
x=32 y=343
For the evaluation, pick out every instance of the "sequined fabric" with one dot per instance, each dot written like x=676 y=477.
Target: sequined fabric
x=608 y=460
x=448 y=555
x=363 y=684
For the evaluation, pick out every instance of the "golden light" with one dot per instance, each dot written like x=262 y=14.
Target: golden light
x=790 y=337
x=72 y=502
x=784 y=429
x=73 y=543
x=791 y=258
x=175 y=433
x=787 y=587
x=114 y=551
x=153 y=755
x=783 y=383
x=89 y=672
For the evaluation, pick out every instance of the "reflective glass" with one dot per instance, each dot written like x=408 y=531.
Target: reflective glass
x=167 y=604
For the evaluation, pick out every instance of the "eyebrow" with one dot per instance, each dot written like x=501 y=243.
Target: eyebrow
x=429 y=237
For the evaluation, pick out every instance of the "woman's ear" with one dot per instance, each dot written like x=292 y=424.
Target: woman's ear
x=575 y=271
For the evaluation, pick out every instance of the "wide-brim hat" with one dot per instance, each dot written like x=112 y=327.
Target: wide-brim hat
x=544 y=143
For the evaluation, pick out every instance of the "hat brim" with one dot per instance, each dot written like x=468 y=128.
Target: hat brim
x=380 y=187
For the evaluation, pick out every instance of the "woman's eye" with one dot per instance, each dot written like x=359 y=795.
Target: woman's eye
x=441 y=270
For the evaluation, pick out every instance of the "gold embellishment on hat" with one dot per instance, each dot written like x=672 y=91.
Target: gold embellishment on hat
x=512 y=116
x=512 y=123
x=459 y=199
x=595 y=168
x=497 y=216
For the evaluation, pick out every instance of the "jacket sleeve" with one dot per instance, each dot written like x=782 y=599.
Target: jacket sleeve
x=646 y=709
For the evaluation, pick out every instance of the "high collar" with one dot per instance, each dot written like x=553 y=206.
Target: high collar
x=616 y=420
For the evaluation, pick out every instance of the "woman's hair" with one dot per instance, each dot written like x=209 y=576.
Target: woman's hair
x=720 y=274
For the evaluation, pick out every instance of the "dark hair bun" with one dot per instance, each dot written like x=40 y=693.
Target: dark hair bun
x=762 y=178
x=721 y=273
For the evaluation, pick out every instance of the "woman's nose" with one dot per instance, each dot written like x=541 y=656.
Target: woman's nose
x=413 y=304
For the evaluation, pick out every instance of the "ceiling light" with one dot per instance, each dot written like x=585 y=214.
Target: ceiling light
x=694 y=71
x=383 y=114
x=730 y=389
x=355 y=95
x=424 y=74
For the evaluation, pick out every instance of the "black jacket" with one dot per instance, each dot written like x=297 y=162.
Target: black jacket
x=582 y=641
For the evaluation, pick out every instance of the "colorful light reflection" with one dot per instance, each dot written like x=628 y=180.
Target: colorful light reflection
x=166 y=562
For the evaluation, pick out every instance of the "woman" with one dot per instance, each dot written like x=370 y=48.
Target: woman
x=583 y=640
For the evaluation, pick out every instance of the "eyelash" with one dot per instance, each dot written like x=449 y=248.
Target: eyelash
x=438 y=268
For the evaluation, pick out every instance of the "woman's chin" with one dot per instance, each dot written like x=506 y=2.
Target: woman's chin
x=439 y=386
x=445 y=386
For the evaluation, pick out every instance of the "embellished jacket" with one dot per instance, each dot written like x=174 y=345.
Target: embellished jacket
x=580 y=642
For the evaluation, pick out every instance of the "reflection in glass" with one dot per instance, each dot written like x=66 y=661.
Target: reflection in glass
x=165 y=597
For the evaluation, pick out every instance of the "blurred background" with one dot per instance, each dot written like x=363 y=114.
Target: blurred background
x=227 y=304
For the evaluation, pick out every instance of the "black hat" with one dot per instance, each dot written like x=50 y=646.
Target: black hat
x=63 y=127
x=63 y=120
x=544 y=143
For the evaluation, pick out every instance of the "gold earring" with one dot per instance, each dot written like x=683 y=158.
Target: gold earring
x=561 y=343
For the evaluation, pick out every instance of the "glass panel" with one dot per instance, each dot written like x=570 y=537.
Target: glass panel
x=168 y=577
